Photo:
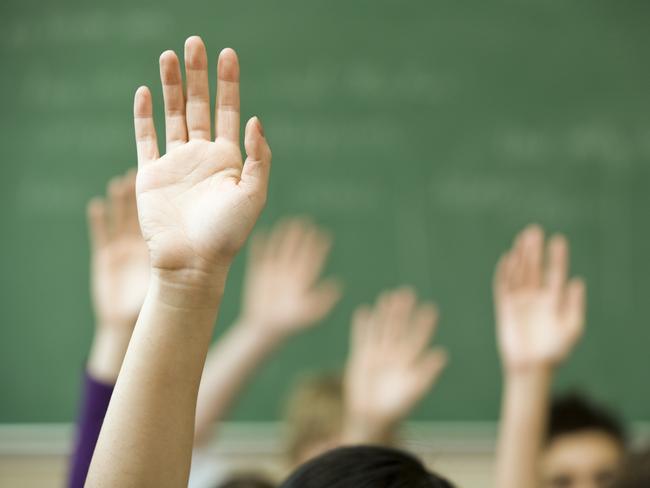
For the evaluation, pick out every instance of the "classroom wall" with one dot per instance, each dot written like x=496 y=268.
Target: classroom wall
x=35 y=457
x=422 y=134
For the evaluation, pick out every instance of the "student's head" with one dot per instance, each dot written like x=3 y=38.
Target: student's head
x=635 y=472
x=247 y=481
x=585 y=445
x=314 y=417
x=364 y=467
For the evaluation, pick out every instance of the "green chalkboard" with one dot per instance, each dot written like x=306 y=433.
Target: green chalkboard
x=424 y=134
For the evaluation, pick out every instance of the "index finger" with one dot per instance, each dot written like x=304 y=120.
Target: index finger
x=227 y=107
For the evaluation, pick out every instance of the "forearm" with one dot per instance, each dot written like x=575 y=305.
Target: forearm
x=230 y=364
x=107 y=351
x=362 y=429
x=146 y=438
x=523 y=422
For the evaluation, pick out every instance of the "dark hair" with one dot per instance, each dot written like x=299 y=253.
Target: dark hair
x=635 y=472
x=364 y=467
x=247 y=481
x=573 y=413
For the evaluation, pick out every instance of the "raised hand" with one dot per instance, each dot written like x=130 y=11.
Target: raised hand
x=196 y=206
x=119 y=274
x=282 y=292
x=391 y=366
x=540 y=316
x=282 y=295
x=199 y=201
x=120 y=258
x=540 y=313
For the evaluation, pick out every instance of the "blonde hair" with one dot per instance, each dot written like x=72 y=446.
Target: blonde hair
x=314 y=415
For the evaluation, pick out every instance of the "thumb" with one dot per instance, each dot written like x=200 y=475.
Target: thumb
x=431 y=366
x=255 y=174
x=98 y=222
x=323 y=298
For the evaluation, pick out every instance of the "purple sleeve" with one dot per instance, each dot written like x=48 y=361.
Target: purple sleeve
x=96 y=396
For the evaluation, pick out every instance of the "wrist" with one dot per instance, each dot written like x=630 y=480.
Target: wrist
x=532 y=371
x=365 y=424
x=117 y=328
x=188 y=289
x=528 y=385
x=368 y=429
x=259 y=333
x=263 y=328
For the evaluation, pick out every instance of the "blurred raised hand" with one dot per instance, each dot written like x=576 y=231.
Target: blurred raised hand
x=283 y=294
x=283 y=291
x=120 y=258
x=391 y=365
x=540 y=315
x=540 y=312
x=200 y=200
x=119 y=274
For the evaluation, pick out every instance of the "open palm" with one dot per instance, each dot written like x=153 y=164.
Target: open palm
x=282 y=290
x=540 y=315
x=198 y=202
x=391 y=366
x=120 y=259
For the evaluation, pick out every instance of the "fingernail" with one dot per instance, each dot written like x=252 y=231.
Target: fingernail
x=260 y=126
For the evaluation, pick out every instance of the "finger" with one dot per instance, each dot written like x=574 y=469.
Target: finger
x=361 y=333
x=398 y=315
x=558 y=263
x=145 y=131
x=510 y=269
x=430 y=367
x=314 y=255
x=255 y=175
x=503 y=285
x=256 y=250
x=421 y=331
x=575 y=307
x=131 y=206
x=97 y=217
x=227 y=109
x=500 y=281
x=323 y=298
x=117 y=199
x=389 y=326
x=291 y=240
x=309 y=257
x=172 y=84
x=197 y=110
x=275 y=239
x=534 y=254
x=379 y=312
x=517 y=263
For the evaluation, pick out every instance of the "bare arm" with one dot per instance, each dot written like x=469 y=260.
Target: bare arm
x=119 y=275
x=196 y=204
x=230 y=364
x=540 y=317
x=282 y=296
x=521 y=431
x=119 y=279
